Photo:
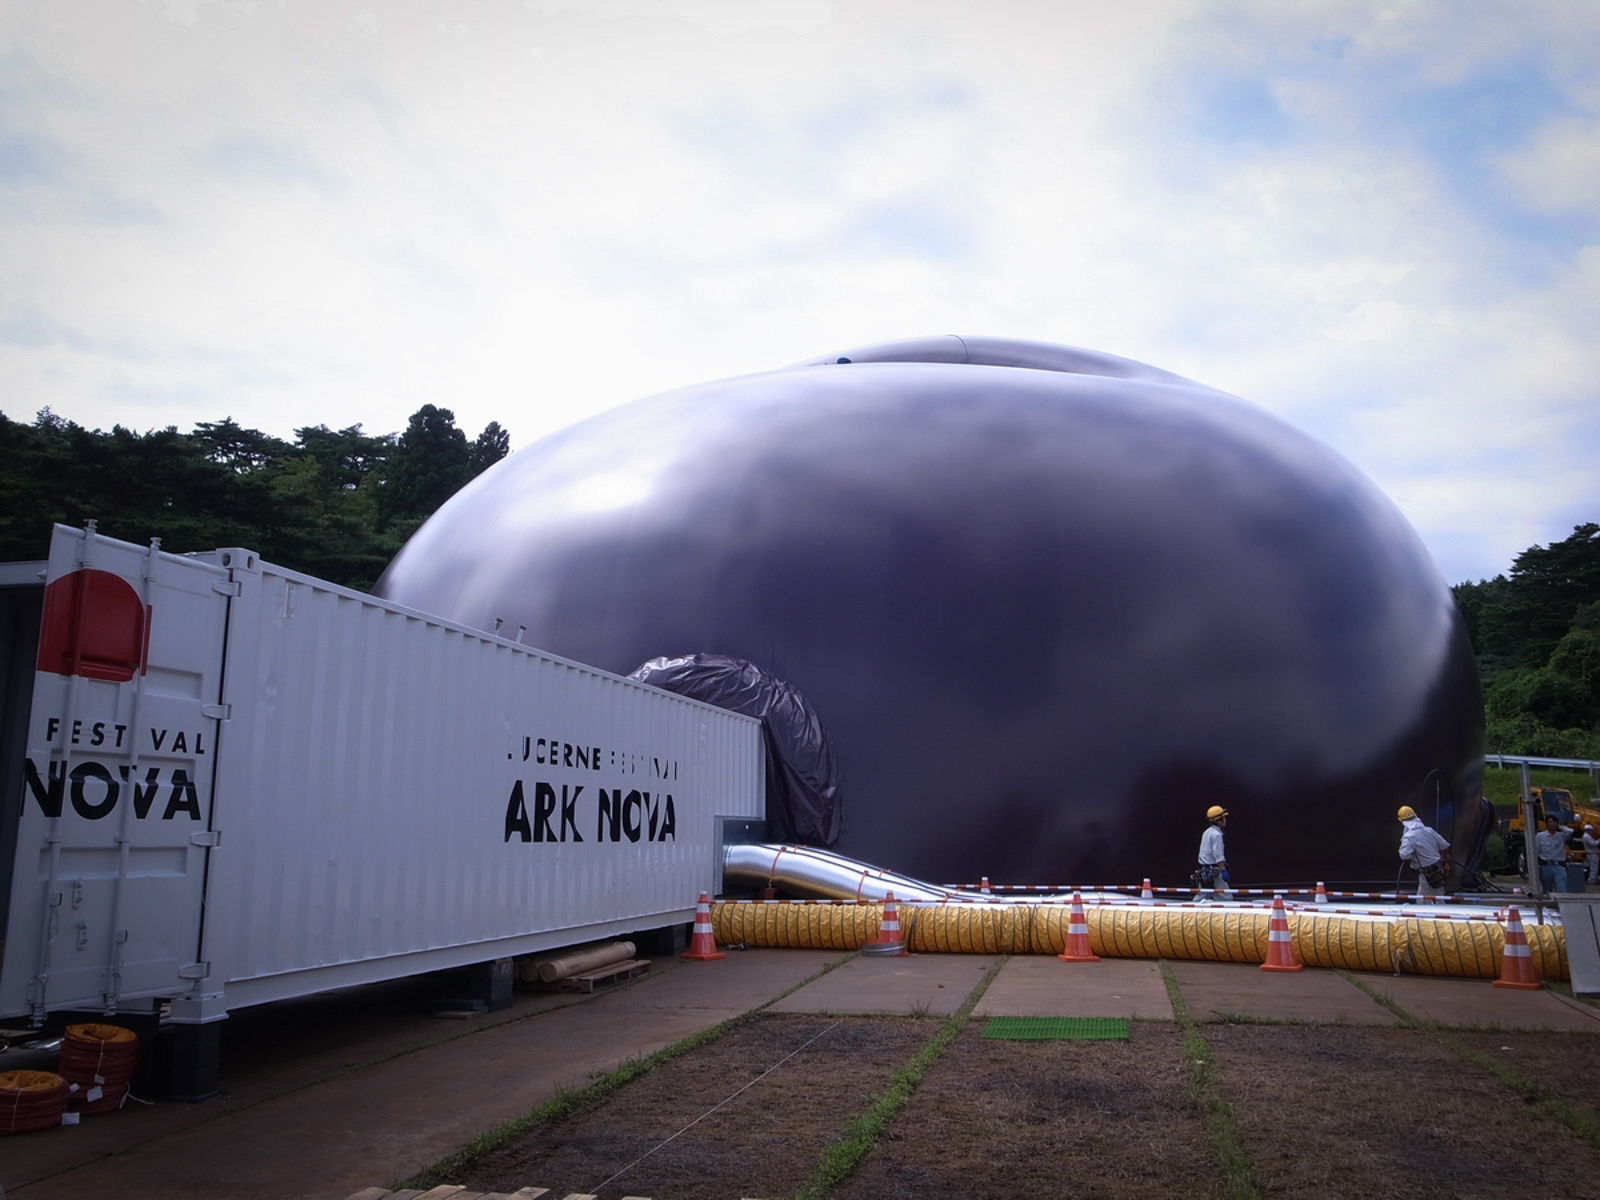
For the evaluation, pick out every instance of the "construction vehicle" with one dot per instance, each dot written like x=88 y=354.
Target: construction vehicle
x=1554 y=802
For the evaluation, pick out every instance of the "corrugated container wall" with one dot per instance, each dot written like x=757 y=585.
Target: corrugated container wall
x=411 y=787
x=242 y=784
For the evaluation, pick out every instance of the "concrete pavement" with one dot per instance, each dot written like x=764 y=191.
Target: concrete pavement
x=913 y=985
x=1043 y=986
x=1215 y=991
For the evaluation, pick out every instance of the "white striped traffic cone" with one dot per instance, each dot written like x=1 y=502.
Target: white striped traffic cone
x=703 y=945
x=1147 y=892
x=887 y=940
x=1280 y=943
x=1516 y=966
x=1322 y=893
x=1077 y=948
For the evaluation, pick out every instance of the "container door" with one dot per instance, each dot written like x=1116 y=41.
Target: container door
x=109 y=877
x=21 y=595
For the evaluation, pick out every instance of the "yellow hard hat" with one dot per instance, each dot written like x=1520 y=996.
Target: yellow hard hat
x=1215 y=811
x=1406 y=812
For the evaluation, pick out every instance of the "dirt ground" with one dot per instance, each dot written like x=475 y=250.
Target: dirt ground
x=1566 y=1065
x=1002 y=1120
x=1361 y=1113
x=1330 y=1111
x=762 y=1142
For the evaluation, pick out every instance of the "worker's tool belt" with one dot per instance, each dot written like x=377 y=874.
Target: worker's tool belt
x=1434 y=873
x=1206 y=874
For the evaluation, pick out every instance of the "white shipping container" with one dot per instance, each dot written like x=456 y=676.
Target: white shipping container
x=244 y=784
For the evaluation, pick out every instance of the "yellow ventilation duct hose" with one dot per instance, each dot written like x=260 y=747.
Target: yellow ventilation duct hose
x=1548 y=945
x=1409 y=942
x=1210 y=935
x=794 y=926
x=1347 y=942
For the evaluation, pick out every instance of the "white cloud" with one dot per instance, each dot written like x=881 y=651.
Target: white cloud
x=726 y=17
x=1380 y=222
x=1558 y=170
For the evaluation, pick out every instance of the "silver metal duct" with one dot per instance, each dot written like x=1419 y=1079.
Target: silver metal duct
x=829 y=876
x=823 y=875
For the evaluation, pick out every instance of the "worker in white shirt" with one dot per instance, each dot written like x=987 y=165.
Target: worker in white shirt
x=1550 y=844
x=1424 y=850
x=1213 y=870
x=1591 y=854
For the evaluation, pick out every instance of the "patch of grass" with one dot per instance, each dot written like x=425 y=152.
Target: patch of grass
x=862 y=1134
x=1238 y=1172
x=1229 y=1017
x=1576 y=1117
x=1492 y=1027
x=1562 y=988
x=568 y=1101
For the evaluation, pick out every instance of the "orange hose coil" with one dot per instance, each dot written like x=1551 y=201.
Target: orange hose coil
x=98 y=1060
x=31 y=1100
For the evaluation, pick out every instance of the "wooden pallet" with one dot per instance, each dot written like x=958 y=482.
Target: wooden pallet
x=589 y=980
x=615 y=973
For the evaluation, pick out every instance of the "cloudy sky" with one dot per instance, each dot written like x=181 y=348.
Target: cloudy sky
x=1379 y=220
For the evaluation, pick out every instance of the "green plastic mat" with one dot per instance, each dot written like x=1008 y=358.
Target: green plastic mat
x=1040 y=1029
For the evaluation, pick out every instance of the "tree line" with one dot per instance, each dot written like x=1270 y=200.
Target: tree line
x=335 y=503
x=339 y=504
x=1536 y=632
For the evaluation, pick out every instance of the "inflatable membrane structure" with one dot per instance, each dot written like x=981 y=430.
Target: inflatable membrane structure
x=1050 y=604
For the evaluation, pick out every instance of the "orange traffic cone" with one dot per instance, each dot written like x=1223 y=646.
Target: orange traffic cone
x=1516 y=967
x=983 y=885
x=1077 y=947
x=1322 y=893
x=1147 y=892
x=887 y=940
x=702 y=946
x=1280 y=943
